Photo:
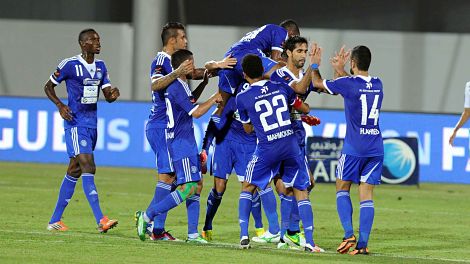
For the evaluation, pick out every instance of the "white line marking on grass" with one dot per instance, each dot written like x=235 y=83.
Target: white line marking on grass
x=211 y=244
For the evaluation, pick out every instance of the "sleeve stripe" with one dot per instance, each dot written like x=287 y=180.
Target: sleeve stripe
x=105 y=85
x=53 y=80
x=277 y=48
x=192 y=110
x=326 y=87
x=245 y=122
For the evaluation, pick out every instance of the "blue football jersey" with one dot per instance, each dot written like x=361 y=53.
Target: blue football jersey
x=180 y=105
x=362 y=102
x=266 y=38
x=236 y=131
x=284 y=75
x=161 y=66
x=83 y=82
x=266 y=105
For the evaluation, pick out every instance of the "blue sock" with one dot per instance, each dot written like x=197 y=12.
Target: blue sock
x=244 y=208
x=294 y=223
x=65 y=193
x=268 y=200
x=161 y=191
x=91 y=193
x=170 y=201
x=256 y=211
x=306 y=214
x=213 y=202
x=366 y=218
x=345 y=211
x=193 y=207
x=286 y=209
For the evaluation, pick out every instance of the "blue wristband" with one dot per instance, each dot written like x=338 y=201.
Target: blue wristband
x=314 y=66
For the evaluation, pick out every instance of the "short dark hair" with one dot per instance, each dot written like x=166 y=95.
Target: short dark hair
x=290 y=25
x=170 y=30
x=252 y=66
x=292 y=42
x=179 y=56
x=81 y=36
x=362 y=56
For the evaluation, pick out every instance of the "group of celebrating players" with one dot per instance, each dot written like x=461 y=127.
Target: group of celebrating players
x=257 y=130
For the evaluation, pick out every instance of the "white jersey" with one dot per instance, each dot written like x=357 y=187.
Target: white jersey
x=467 y=95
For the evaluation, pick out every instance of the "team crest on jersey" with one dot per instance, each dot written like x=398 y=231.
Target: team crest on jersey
x=193 y=169
x=83 y=143
x=99 y=75
x=264 y=89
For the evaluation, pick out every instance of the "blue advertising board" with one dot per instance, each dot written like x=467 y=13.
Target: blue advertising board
x=400 y=166
x=31 y=130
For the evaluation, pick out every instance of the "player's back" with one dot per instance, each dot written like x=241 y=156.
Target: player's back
x=265 y=104
x=161 y=66
x=362 y=103
x=265 y=38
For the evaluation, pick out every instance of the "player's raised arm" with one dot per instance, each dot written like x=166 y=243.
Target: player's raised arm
x=339 y=61
x=161 y=82
x=204 y=107
x=316 y=61
x=200 y=88
x=227 y=63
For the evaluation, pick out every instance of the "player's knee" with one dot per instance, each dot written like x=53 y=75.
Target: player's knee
x=248 y=187
x=166 y=178
x=220 y=185
x=187 y=190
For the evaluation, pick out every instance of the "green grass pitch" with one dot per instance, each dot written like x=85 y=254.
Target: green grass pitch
x=429 y=224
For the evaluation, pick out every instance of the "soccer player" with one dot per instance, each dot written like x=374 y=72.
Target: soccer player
x=264 y=109
x=232 y=150
x=161 y=75
x=295 y=48
x=465 y=114
x=84 y=77
x=181 y=109
x=362 y=155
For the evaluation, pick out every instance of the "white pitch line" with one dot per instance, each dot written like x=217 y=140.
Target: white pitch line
x=212 y=244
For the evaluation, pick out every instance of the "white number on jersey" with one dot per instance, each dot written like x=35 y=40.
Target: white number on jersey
x=169 y=113
x=374 y=112
x=269 y=111
x=251 y=35
x=79 y=70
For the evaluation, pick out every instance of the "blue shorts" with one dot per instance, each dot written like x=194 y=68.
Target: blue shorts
x=229 y=155
x=187 y=170
x=157 y=140
x=80 y=140
x=360 y=169
x=261 y=171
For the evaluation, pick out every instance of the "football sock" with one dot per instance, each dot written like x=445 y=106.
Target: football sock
x=91 y=193
x=286 y=209
x=366 y=218
x=306 y=215
x=268 y=200
x=256 y=210
x=161 y=191
x=345 y=211
x=294 y=223
x=65 y=193
x=193 y=207
x=170 y=201
x=244 y=208
x=213 y=201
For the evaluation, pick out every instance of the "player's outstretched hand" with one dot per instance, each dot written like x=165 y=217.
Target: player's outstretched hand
x=185 y=68
x=340 y=59
x=227 y=63
x=310 y=120
x=452 y=137
x=206 y=76
x=217 y=98
x=315 y=54
x=65 y=112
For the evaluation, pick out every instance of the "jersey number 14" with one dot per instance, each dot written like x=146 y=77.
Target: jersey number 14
x=374 y=112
